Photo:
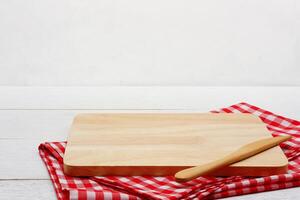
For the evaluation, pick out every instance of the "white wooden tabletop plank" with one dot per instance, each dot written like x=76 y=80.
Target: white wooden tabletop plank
x=27 y=189
x=285 y=194
x=279 y=99
x=20 y=160
x=46 y=125
x=50 y=125
x=43 y=189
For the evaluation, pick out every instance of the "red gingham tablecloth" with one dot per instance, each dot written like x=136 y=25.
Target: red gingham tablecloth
x=148 y=187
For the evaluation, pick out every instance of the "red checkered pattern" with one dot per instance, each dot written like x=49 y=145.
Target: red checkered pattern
x=148 y=187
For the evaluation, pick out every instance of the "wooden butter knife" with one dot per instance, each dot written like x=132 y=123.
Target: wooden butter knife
x=242 y=153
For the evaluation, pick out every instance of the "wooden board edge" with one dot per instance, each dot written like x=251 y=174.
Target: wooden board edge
x=169 y=171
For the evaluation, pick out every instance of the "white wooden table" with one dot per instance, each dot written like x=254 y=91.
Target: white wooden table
x=32 y=115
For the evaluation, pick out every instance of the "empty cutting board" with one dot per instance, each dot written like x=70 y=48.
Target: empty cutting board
x=162 y=144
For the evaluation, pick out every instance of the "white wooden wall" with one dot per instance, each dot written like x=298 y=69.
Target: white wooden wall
x=142 y=42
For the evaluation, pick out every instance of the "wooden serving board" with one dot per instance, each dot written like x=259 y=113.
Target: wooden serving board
x=162 y=144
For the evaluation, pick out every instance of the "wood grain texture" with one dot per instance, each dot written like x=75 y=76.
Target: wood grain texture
x=20 y=159
x=43 y=189
x=27 y=189
x=162 y=144
x=240 y=154
x=201 y=99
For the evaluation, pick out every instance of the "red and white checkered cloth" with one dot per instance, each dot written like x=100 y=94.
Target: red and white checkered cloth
x=148 y=187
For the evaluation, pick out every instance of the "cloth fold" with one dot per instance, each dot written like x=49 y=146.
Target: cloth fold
x=149 y=187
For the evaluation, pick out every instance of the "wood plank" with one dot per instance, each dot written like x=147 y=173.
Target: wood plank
x=20 y=160
x=36 y=124
x=49 y=125
x=163 y=144
x=43 y=189
x=27 y=189
x=286 y=194
x=282 y=100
